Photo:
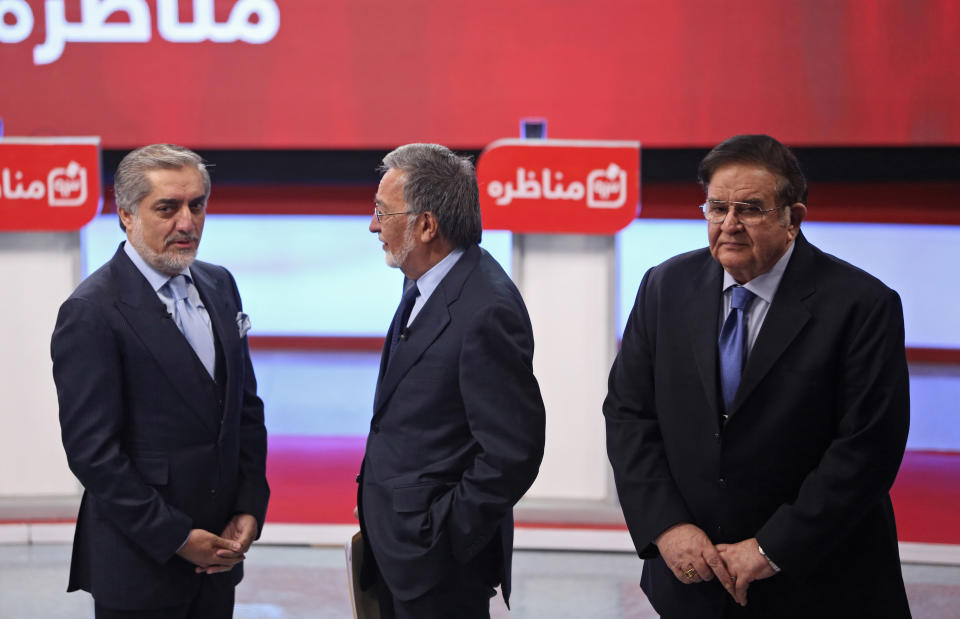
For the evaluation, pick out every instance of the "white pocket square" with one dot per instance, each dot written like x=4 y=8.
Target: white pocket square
x=243 y=324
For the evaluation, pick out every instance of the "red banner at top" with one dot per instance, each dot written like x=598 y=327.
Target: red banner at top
x=308 y=74
x=48 y=184
x=559 y=186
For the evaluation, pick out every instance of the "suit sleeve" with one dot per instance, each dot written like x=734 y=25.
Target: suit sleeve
x=88 y=372
x=506 y=417
x=860 y=464
x=253 y=492
x=648 y=495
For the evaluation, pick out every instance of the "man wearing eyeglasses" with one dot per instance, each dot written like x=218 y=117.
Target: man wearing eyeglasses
x=757 y=412
x=458 y=422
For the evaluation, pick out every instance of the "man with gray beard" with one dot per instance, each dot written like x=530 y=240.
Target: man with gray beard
x=159 y=412
x=457 y=431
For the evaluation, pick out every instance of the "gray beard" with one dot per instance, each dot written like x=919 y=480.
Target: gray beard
x=166 y=263
x=396 y=261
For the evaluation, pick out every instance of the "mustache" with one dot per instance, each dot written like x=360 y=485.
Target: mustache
x=181 y=236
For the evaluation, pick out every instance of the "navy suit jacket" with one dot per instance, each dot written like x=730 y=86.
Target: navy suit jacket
x=805 y=462
x=457 y=433
x=159 y=447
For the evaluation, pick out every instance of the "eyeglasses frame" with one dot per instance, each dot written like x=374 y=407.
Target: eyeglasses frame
x=738 y=213
x=380 y=215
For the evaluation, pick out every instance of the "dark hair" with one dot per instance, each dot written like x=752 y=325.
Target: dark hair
x=439 y=181
x=130 y=183
x=760 y=150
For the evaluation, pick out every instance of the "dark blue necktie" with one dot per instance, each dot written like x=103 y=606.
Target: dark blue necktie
x=733 y=338
x=403 y=314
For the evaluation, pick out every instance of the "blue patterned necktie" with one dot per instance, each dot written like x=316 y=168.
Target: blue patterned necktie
x=191 y=323
x=400 y=318
x=733 y=337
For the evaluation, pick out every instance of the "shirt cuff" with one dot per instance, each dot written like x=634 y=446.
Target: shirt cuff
x=776 y=568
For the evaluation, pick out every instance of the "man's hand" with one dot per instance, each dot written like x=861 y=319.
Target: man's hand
x=202 y=548
x=242 y=529
x=746 y=564
x=691 y=556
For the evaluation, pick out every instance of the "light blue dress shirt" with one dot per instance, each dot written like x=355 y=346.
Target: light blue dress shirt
x=429 y=281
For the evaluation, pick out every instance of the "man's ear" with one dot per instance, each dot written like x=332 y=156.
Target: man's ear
x=125 y=218
x=427 y=227
x=798 y=211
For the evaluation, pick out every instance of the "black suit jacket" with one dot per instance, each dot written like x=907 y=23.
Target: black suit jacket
x=805 y=462
x=457 y=433
x=159 y=447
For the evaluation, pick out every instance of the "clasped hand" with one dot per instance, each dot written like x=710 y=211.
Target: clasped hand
x=219 y=553
x=692 y=558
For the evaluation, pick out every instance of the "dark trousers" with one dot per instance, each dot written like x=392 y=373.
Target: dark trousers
x=462 y=595
x=214 y=600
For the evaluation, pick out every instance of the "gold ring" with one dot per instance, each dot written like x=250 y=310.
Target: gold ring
x=691 y=573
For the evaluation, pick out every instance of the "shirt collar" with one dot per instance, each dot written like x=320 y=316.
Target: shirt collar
x=429 y=281
x=764 y=286
x=154 y=277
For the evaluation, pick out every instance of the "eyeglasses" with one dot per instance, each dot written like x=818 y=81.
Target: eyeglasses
x=380 y=214
x=715 y=211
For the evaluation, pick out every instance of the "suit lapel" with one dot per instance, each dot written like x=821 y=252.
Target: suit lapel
x=703 y=316
x=785 y=319
x=425 y=329
x=385 y=351
x=148 y=318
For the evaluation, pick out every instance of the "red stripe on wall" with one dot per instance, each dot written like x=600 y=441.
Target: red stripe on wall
x=945 y=356
x=282 y=200
x=902 y=203
x=321 y=343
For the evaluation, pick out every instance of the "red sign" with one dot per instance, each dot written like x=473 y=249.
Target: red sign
x=309 y=74
x=49 y=184
x=559 y=186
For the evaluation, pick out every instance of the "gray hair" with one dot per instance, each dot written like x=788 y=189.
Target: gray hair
x=439 y=181
x=131 y=185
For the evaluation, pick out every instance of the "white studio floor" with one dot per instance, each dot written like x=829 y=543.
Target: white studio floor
x=294 y=582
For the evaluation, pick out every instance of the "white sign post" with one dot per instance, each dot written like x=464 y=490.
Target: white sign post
x=565 y=200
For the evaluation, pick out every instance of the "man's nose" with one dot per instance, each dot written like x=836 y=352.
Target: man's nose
x=731 y=222
x=374 y=224
x=184 y=220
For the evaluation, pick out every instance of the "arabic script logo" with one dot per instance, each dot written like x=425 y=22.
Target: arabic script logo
x=250 y=21
x=604 y=188
x=67 y=186
x=607 y=188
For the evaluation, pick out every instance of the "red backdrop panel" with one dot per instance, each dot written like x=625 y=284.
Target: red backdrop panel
x=360 y=73
x=49 y=185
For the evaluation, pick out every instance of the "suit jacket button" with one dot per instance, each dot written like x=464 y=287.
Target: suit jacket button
x=716 y=435
x=358 y=479
x=722 y=482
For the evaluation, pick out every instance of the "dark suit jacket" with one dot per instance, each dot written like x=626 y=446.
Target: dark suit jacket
x=457 y=433
x=814 y=440
x=159 y=447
